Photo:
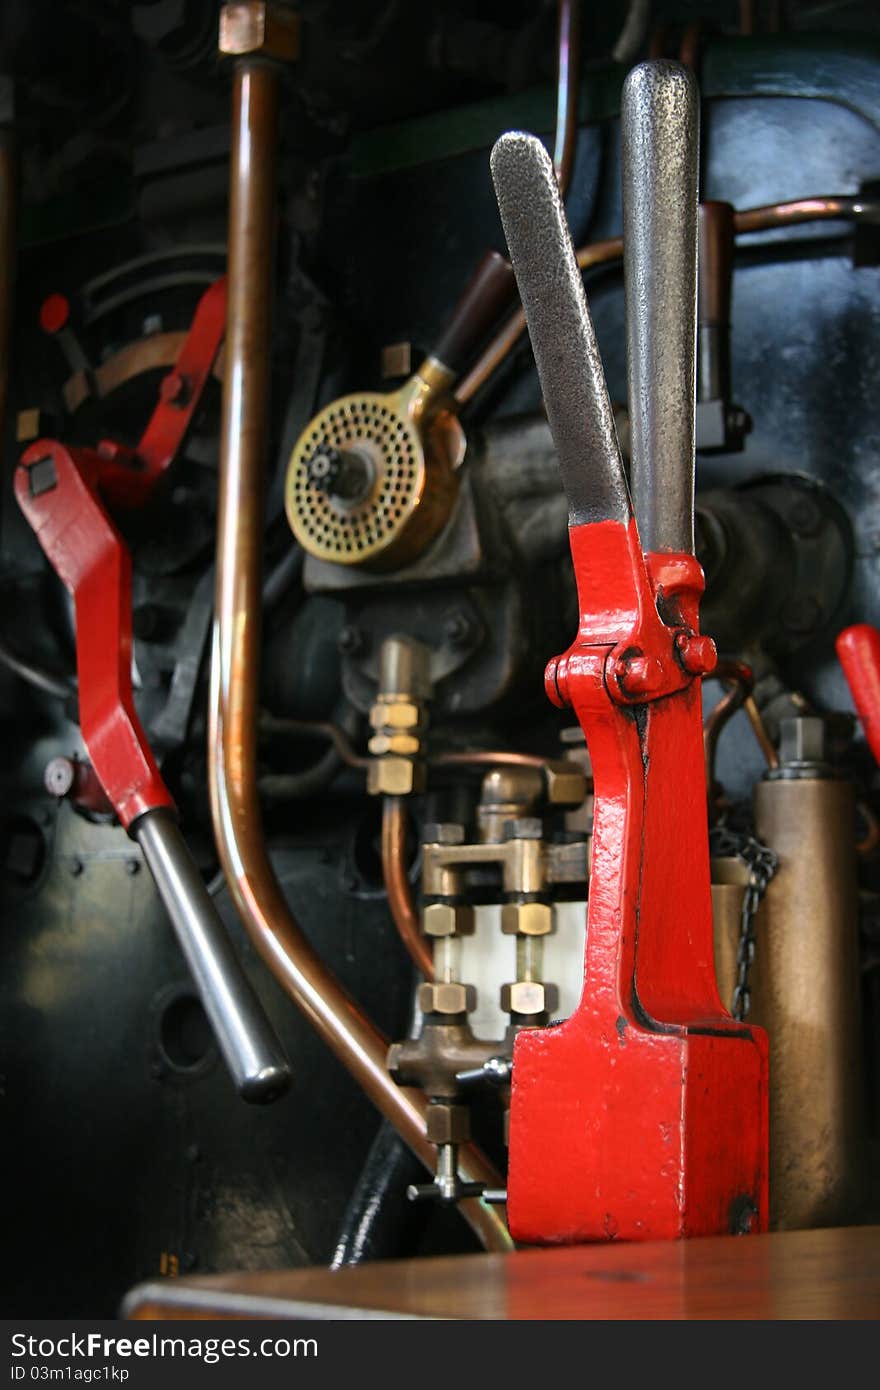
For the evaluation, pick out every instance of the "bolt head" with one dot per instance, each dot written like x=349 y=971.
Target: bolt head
x=447 y=998
x=526 y=919
x=697 y=653
x=638 y=674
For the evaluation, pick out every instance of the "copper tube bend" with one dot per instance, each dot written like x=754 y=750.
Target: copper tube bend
x=236 y=650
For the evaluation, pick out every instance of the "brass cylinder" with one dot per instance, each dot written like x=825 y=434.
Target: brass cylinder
x=235 y=665
x=805 y=992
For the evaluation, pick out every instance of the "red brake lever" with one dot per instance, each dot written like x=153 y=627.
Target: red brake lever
x=67 y=495
x=858 y=650
x=644 y=1114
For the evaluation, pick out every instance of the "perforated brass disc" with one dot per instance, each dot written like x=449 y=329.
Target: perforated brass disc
x=354 y=533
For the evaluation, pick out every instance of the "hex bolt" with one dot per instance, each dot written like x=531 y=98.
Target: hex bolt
x=638 y=674
x=351 y=641
x=458 y=629
x=697 y=653
x=442 y=833
x=524 y=828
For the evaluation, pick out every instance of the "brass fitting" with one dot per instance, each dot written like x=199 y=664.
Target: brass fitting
x=447 y=998
x=529 y=997
x=566 y=783
x=253 y=27
x=448 y=919
x=527 y=919
x=399 y=719
x=448 y=1123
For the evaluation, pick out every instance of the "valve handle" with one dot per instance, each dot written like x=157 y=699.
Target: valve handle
x=660 y=135
x=561 y=330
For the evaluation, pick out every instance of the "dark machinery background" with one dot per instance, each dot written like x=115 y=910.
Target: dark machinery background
x=126 y=1153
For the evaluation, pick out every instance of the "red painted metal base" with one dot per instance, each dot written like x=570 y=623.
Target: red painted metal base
x=644 y=1115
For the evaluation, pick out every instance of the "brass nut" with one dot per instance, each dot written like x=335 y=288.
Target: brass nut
x=448 y=1124
x=526 y=919
x=256 y=27
x=405 y=745
x=395 y=714
x=448 y=919
x=394 y=776
x=447 y=998
x=566 y=783
x=529 y=997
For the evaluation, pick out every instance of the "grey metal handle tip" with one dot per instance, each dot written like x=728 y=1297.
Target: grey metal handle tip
x=244 y=1035
x=660 y=135
x=561 y=330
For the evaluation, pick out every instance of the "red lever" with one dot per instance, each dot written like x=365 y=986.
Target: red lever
x=65 y=494
x=858 y=649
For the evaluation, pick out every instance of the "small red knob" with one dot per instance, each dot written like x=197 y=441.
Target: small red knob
x=54 y=313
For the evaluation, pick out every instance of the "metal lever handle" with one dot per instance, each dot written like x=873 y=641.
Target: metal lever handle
x=243 y=1033
x=660 y=134
x=561 y=330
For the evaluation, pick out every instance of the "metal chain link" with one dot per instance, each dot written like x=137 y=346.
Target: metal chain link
x=762 y=864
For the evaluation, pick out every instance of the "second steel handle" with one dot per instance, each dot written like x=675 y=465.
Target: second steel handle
x=243 y=1032
x=660 y=133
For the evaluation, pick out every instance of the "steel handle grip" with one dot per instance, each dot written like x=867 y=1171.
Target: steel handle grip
x=561 y=330
x=660 y=135
x=244 y=1035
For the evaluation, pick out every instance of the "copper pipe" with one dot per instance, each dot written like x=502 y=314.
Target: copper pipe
x=805 y=210
x=400 y=901
x=759 y=730
x=604 y=252
x=568 y=72
x=315 y=728
x=485 y=757
x=8 y=202
x=598 y=253
x=740 y=682
x=235 y=663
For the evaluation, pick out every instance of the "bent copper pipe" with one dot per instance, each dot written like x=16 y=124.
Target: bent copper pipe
x=235 y=662
x=761 y=219
x=400 y=901
x=568 y=71
x=739 y=682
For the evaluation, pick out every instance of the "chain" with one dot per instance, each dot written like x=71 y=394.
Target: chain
x=762 y=864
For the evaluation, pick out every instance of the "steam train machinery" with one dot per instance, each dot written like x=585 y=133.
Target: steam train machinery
x=438 y=663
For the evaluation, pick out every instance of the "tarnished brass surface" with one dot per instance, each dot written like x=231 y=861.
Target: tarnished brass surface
x=157 y=352
x=235 y=669
x=259 y=27
x=805 y=992
x=414 y=448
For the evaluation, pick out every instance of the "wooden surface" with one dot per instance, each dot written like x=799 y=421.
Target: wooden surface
x=793 y=1274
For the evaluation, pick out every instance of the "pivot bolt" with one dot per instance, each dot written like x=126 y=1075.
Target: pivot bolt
x=638 y=674
x=697 y=653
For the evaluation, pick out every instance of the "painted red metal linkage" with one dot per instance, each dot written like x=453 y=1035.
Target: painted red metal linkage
x=67 y=495
x=858 y=650
x=643 y=1115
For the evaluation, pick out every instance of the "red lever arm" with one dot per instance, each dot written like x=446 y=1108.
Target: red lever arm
x=65 y=493
x=858 y=649
x=644 y=1114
